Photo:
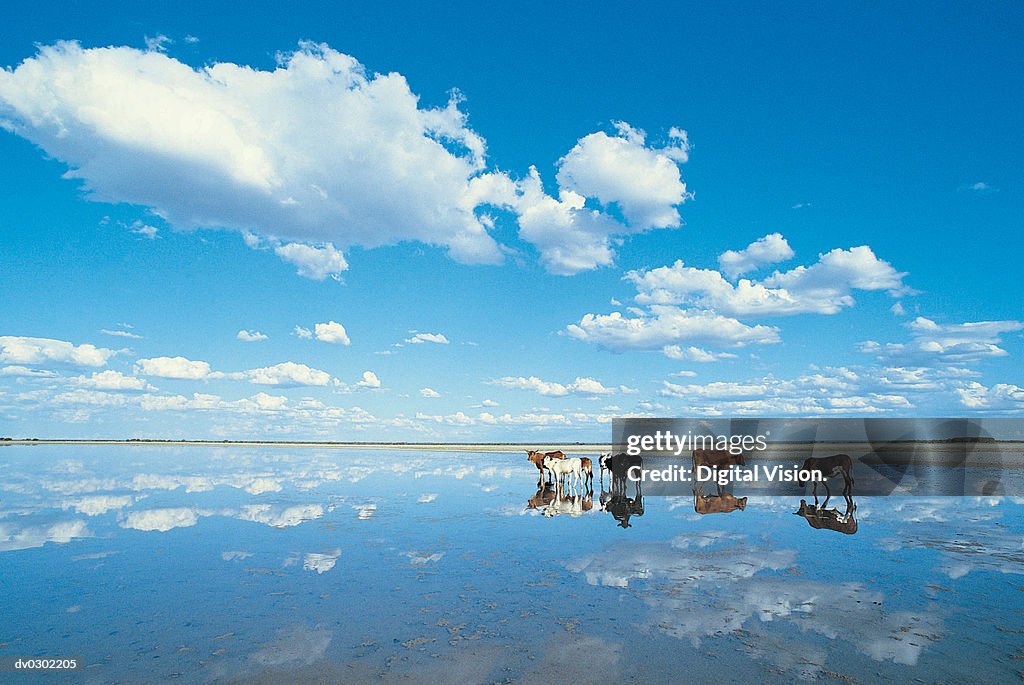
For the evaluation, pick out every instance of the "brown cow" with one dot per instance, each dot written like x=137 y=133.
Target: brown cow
x=723 y=503
x=715 y=459
x=537 y=459
x=545 y=495
x=588 y=473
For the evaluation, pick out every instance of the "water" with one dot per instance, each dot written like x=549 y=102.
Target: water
x=210 y=564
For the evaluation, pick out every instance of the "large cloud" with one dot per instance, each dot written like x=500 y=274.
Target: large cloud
x=620 y=172
x=665 y=326
x=318 y=156
x=315 y=151
x=285 y=374
x=955 y=343
x=686 y=305
x=822 y=288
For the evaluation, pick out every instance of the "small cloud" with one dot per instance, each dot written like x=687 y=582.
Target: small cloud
x=332 y=332
x=429 y=392
x=251 y=336
x=303 y=333
x=420 y=338
x=694 y=354
x=157 y=43
x=145 y=230
x=615 y=303
x=898 y=309
x=370 y=380
x=684 y=374
x=802 y=205
x=979 y=187
x=316 y=262
x=117 y=333
x=191 y=39
x=489 y=403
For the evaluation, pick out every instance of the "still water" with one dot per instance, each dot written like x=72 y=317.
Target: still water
x=278 y=565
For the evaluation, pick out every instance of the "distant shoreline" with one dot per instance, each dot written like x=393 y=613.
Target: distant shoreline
x=499 y=447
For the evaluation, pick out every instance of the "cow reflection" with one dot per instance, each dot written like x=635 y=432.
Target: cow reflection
x=617 y=501
x=545 y=495
x=722 y=503
x=829 y=519
x=569 y=505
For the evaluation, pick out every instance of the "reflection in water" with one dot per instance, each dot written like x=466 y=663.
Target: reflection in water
x=722 y=503
x=545 y=494
x=570 y=505
x=245 y=565
x=617 y=501
x=830 y=519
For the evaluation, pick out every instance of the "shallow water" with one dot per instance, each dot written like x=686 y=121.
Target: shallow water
x=208 y=564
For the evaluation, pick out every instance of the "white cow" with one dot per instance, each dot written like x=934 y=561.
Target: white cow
x=565 y=468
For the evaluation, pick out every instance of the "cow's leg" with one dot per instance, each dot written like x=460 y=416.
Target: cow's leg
x=814 y=491
x=828 y=494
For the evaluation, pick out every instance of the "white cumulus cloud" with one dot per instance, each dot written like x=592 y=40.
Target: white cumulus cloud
x=35 y=351
x=580 y=386
x=174 y=367
x=287 y=374
x=369 y=380
x=770 y=249
x=250 y=336
x=111 y=380
x=420 y=338
x=331 y=332
x=315 y=262
x=319 y=155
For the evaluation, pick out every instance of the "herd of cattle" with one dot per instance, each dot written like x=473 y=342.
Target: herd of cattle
x=565 y=485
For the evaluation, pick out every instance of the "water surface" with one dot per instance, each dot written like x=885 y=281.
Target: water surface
x=239 y=564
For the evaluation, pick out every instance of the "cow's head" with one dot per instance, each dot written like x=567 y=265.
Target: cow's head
x=742 y=503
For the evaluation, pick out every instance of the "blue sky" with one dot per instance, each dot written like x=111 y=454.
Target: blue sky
x=519 y=222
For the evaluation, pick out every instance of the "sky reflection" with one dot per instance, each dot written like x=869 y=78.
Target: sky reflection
x=241 y=563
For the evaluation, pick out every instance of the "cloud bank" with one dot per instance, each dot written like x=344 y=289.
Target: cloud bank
x=319 y=155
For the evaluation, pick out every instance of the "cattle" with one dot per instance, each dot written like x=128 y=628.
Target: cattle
x=543 y=498
x=588 y=473
x=722 y=503
x=537 y=459
x=837 y=464
x=622 y=508
x=564 y=469
x=821 y=518
x=618 y=466
x=570 y=505
x=715 y=460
